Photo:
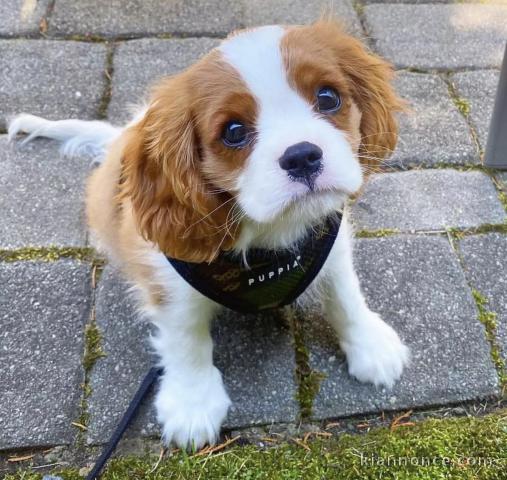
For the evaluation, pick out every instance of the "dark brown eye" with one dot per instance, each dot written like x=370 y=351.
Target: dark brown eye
x=235 y=134
x=328 y=100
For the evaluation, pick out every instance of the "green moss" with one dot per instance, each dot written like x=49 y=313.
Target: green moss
x=47 y=254
x=93 y=348
x=489 y=320
x=87 y=38
x=308 y=379
x=463 y=105
x=384 y=232
x=502 y=195
x=465 y=448
x=108 y=76
x=358 y=7
x=460 y=233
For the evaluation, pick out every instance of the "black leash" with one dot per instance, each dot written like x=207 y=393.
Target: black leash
x=150 y=378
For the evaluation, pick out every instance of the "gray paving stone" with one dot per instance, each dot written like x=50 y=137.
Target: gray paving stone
x=55 y=79
x=21 y=17
x=255 y=356
x=138 y=63
x=433 y=130
x=479 y=88
x=192 y=17
x=485 y=258
x=145 y=17
x=288 y=12
x=418 y=287
x=427 y=200
x=439 y=36
x=41 y=195
x=44 y=307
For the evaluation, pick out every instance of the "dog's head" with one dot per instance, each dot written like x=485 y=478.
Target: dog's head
x=273 y=124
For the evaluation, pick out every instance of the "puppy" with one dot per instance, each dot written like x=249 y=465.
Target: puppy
x=250 y=150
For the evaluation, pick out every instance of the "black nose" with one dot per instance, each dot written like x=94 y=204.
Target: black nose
x=302 y=160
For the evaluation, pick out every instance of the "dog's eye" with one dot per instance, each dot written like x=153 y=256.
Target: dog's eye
x=235 y=134
x=328 y=100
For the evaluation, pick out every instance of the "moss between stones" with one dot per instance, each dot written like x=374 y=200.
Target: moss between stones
x=460 y=233
x=358 y=7
x=92 y=351
x=383 y=232
x=466 y=448
x=488 y=319
x=93 y=348
x=308 y=379
x=47 y=254
x=108 y=75
x=463 y=106
x=502 y=195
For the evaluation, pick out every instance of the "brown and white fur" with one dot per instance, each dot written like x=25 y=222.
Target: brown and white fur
x=170 y=185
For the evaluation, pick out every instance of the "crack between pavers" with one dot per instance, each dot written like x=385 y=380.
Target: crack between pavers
x=308 y=380
x=44 y=20
x=49 y=254
x=108 y=77
x=458 y=232
x=486 y=317
x=92 y=352
x=463 y=106
x=358 y=6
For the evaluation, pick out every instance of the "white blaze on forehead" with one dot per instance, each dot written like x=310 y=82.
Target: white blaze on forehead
x=257 y=57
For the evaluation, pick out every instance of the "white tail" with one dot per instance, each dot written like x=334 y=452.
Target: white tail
x=78 y=137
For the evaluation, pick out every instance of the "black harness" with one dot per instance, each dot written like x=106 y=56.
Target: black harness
x=272 y=278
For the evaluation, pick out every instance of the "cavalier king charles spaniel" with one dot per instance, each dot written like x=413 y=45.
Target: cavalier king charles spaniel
x=251 y=147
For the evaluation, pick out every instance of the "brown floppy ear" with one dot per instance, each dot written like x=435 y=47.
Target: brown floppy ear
x=370 y=80
x=172 y=203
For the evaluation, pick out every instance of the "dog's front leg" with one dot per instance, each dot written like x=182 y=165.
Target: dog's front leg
x=191 y=402
x=373 y=349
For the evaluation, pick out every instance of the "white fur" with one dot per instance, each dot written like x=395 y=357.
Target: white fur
x=78 y=137
x=192 y=402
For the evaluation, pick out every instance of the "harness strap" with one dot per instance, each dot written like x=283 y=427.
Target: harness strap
x=150 y=378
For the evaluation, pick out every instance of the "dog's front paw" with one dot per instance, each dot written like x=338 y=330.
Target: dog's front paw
x=191 y=414
x=374 y=351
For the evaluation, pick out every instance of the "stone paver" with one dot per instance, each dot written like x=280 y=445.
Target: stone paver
x=41 y=195
x=43 y=310
x=260 y=346
x=295 y=12
x=189 y=17
x=55 y=79
x=439 y=36
x=21 y=17
x=138 y=63
x=417 y=285
x=485 y=258
x=479 y=89
x=428 y=200
x=145 y=17
x=433 y=130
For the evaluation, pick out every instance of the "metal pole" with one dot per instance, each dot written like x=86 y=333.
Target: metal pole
x=496 y=148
